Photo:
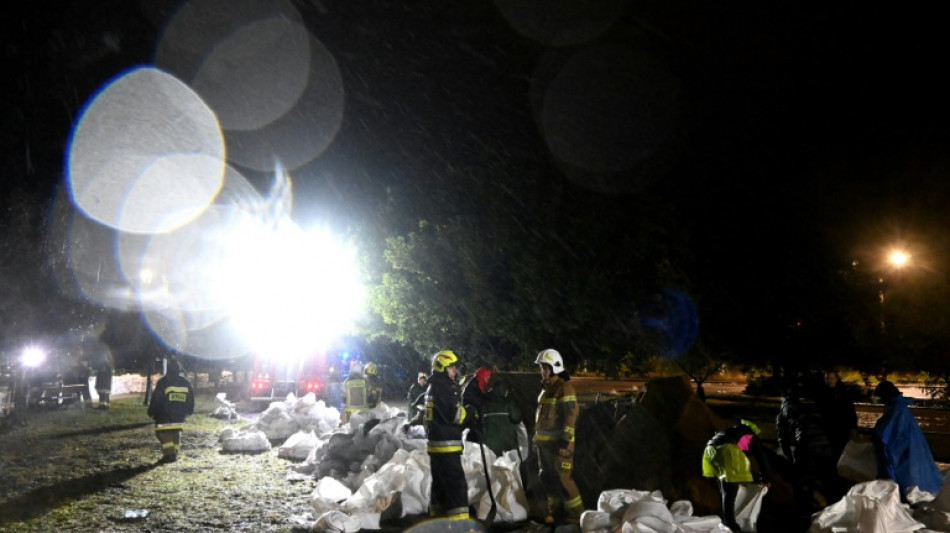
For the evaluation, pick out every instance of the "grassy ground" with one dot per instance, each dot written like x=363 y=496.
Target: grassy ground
x=82 y=469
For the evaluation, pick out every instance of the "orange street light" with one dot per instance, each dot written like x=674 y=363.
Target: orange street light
x=898 y=258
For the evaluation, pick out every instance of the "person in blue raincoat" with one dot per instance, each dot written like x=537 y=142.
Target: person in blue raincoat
x=902 y=451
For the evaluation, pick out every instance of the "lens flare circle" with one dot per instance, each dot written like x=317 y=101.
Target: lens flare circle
x=146 y=155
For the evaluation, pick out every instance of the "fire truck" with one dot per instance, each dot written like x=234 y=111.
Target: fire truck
x=272 y=378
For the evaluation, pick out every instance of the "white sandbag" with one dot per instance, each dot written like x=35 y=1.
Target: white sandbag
x=331 y=489
x=298 y=446
x=596 y=521
x=511 y=504
x=749 y=504
x=227 y=433
x=374 y=495
x=616 y=501
x=858 y=461
x=337 y=522
x=248 y=441
x=869 y=507
x=648 y=515
x=368 y=521
x=276 y=422
x=417 y=432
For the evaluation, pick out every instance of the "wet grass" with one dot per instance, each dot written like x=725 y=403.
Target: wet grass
x=82 y=469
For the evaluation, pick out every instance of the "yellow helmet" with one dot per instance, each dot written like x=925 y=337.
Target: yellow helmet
x=370 y=369
x=551 y=357
x=443 y=360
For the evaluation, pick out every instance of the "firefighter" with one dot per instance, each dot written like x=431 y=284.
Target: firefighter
x=354 y=392
x=374 y=392
x=172 y=401
x=448 y=495
x=554 y=439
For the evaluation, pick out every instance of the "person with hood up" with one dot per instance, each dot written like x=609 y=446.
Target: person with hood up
x=555 y=421
x=726 y=459
x=444 y=417
x=500 y=416
x=172 y=401
x=902 y=450
x=474 y=395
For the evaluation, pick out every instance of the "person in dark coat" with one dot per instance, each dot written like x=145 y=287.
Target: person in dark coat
x=444 y=417
x=837 y=413
x=415 y=398
x=104 y=382
x=500 y=418
x=172 y=402
x=802 y=439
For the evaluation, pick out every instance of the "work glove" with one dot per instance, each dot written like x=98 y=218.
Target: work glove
x=564 y=448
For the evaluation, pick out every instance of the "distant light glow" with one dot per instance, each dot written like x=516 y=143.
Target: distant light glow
x=33 y=356
x=898 y=258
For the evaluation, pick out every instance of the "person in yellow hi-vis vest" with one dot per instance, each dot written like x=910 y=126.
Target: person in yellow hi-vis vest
x=354 y=392
x=172 y=401
x=554 y=439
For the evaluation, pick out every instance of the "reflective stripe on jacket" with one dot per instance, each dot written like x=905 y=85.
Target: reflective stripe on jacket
x=172 y=401
x=444 y=415
x=557 y=412
x=354 y=389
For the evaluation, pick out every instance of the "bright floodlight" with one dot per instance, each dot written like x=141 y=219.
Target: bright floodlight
x=33 y=357
x=898 y=258
x=288 y=292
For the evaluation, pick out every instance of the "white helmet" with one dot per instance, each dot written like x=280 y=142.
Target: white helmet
x=551 y=357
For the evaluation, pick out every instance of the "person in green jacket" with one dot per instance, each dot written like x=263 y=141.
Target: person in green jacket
x=500 y=417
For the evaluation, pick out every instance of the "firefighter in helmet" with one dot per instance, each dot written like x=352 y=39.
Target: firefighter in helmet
x=444 y=417
x=374 y=392
x=354 y=392
x=554 y=438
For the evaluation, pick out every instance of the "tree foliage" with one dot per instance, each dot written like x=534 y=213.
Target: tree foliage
x=498 y=271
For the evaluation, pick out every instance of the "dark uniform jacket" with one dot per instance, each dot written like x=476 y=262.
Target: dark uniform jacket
x=557 y=414
x=499 y=420
x=444 y=415
x=172 y=401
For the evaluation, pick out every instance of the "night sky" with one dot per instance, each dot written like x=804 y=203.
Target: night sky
x=791 y=137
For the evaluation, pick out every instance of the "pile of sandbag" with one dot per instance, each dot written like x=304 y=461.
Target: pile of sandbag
x=279 y=422
x=371 y=467
x=401 y=487
x=633 y=511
